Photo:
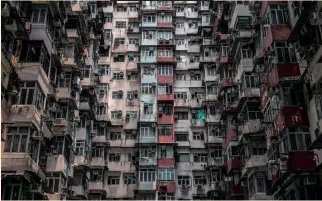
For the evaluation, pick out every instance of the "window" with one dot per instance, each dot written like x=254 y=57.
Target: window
x=132 y=95
x=194 y=76
x=216 y=152
x=96 y=175
x=131 y=116
x=165 y=89
x=184 y=180
x=130 y=135
x=184 y=157
x=68 y=51
x=97 y=152
x=200 y=180
x=121 y=9
x=246 y=53
x=253 y=112
x=133 y=41
x=224 y=50
x=181 y=136
x=180 y=95
x=259 y=148
x=163 y=34
x=212 y=88
x=120 y=24
x=117 y=94
x=211 y=71
x=116 y=115
x=166 y=174
x=179 y=42
x=118 y=76
x=16 y=140
x=165 y=70
x=147 y=175
x=113 y=180
x=215 y=175
x=86 y=72
x=80 y=148
x=133 y=9
x=103 y=70
x=197 y=95
x=148 y=18
x=132 y=76
x=278 y=14
x=149 y=52
x=165 y=18
x=31 y=94
x=149 y=35
x=193 y=25
x=55 y=182
x=198 y=135
x=148 y=89
x=251 y=80
x=257 y=183
x=165 y=53
x=200 y=158
x=180 y=25
x=146 y=131
x=129 y=178
x=115 y=157
x=148 y=108
x=101 y=109
x=115 y=135
x=164 y=130
x=285 y=52
x=119 y=41
x=119 y=58
x=39 y=14
x=100 y=131
x=194 y=59
x=166 y=109
x=148 y=71
x=181 y=115
x=318 y=103
x=298 y=139
x=180 y=76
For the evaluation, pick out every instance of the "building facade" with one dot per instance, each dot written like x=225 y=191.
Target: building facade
x=161 y=100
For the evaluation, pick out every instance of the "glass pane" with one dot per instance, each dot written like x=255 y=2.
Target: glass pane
x=274 y=19
x=15 y=193
x=8 y=143
x=23 y=96
x=30 y=96
x=16 y=140
x=35 y=15
x=42 y=15
x=23 y=144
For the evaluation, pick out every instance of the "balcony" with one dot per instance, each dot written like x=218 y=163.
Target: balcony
x=148 y=161
x=117 y=122
x=181 y=103
x=25 y=114
x=249 y=92
x=284 y=72
x=165 y=119
x=164 y=79
x=119 y=48
x=149 y=42
x=152 y=7
x=132 y=48
x=180 y=31
x=215 y=162
x=108 y=26
x=232 y=164
x=147 y=186
x=81 y=160
x=213 y=118
x=133 y=30
x=149 y=139
x=62 y=127
x=245 y=65
x=145 y=59
x=70 y=94
x=169 y=186
x=226 y=82
x=130 y=125
x=149 y=24
x=250 y=127
x=166 y=139
x=121 y=166
x=235 y=191
x=290 y=116
x=165 y=42
x=102 y=117
x=19 y=163
x=148 y=78
x=165 y=97
x=193 y=65
x=230 y=135
x=97 y=187
x=255 y=161
x=198 y=122
x=295 y=161
x=277 y=32
x=98 y=162
x=41 y=32
x=80 y=192
x=193 y=48
x=34 y=71
x=161 y=59
x=213 y=58
x=182 y=65
x=165 y=25
x=166 y=163
x=57 y=163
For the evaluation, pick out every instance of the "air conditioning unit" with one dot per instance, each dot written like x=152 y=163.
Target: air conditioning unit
x=310 y=180
x=5 y=10
x=102 y=124
x=11 y=25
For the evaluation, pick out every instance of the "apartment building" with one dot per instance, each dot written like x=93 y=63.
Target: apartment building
x=162 y=100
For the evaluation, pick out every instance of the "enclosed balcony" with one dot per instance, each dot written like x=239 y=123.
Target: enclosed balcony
x=165 y=93
x=165 y=56
x=149 y=21
x=290 y=116
x=149 y=6
x=165 y=114
x=288 y=163
x=255 y=161
x=148 y=55
x=147 y=186
x=147 y=138
x=232 y=164
x=284 y=72
x=20 y=162
x=148 y=161
x=166 y=134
